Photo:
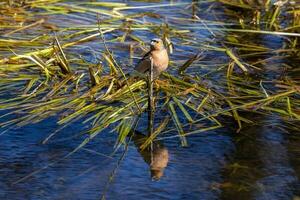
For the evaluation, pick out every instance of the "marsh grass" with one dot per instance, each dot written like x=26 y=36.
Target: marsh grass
x=42 y=75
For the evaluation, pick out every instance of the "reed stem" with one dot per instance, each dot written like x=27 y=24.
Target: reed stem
x=150 y=101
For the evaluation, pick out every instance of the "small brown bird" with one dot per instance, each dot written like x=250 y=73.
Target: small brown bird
x=159 y=56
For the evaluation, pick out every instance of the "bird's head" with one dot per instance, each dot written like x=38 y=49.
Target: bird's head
x=156 y=44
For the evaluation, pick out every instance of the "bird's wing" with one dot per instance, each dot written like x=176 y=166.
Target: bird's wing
x=144 y=64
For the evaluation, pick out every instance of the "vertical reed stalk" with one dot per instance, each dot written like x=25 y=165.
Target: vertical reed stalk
x=150 y=100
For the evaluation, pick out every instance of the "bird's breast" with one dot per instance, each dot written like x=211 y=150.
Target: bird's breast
x=160 y=60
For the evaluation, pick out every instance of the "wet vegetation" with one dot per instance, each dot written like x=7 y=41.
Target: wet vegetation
x=231 y=60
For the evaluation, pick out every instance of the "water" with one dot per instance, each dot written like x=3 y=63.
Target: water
x=261 y=162
x=191 y=172
x=264 y=170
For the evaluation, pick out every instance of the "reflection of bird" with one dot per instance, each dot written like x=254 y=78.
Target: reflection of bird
x=159 y=56
x=159 y=161
x=156 y=157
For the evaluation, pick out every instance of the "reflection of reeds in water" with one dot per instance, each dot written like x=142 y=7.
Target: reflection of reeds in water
x=155 y=155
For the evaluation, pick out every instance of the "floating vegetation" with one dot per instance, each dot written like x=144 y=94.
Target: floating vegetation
x=78 y=71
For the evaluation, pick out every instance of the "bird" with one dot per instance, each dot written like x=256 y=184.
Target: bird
x=159 y=56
